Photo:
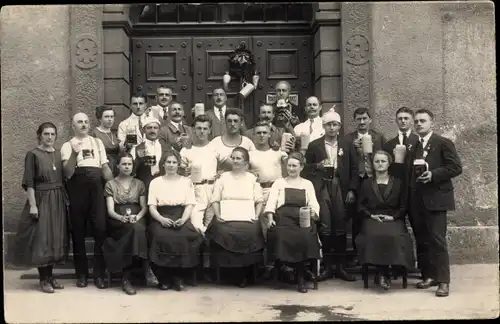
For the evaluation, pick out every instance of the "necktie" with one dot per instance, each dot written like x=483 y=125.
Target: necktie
x=310 y=126
x=140 y=126
x=405 y=140
x=420 y=149
x=165 y=113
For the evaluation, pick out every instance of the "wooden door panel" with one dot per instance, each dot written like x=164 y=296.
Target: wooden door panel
x=210 y=63
x=287 y=58
x=163 y=61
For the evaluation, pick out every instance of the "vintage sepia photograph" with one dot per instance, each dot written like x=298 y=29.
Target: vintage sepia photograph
x=249 y=162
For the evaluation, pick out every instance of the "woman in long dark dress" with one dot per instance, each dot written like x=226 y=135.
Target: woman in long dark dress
x=106 y=117
x=287 y=241
x=42 y=237
x=384 y=240
x=126 y=204
x=175 y=243
x=237 y=241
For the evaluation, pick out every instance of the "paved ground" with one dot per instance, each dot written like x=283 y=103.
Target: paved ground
x=474 y=294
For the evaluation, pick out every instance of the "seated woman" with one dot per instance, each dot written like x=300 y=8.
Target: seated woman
x=287 y=241
x=235 y=235
x=175 y=243
x=384 y=240
x=126 y=225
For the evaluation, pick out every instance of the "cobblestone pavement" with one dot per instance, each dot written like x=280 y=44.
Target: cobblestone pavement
x=474 y=293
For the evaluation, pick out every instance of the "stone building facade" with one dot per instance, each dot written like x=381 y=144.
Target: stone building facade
x=59 y=60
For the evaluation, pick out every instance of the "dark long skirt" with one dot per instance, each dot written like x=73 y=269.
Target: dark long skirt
x=235 y=243
x=387 y=243
x=288 y=242
x=43 y=241
x=125 y=241
x=174 y=247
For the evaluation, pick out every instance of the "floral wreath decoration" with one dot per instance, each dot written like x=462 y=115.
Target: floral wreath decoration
x=242 y=63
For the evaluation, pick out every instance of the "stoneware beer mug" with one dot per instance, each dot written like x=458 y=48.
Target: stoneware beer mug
x=284 y=140
x=419 y=167
x=305 y=217
x=199 y=109
x=247 y=89
x=399 y=153
x=367 y=144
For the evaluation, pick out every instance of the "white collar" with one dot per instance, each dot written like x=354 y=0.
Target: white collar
x=408 y=133
x=426 y=137
x=151 y=142
x=134 y=116
x=361 y=135
x=223 y=108
x=177 y=125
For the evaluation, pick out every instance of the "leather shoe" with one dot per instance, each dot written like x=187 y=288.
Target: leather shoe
x=385 y=283
x=99 y=283
x=325 y=274
x=128 y=288
x=443 y=290
x=151 y=278
x=46 y=287
x=163 y=286
x=81 y=282
x=427 y=283
x=55 y=284
x=177 y=284
x=301 y=288
x=243 y=283
x=342 y=274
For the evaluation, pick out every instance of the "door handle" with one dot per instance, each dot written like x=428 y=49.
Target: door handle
x=191 y=73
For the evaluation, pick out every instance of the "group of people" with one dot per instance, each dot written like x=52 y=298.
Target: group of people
x=168 y=196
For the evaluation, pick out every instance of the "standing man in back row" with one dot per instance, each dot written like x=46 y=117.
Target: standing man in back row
x=130 y=130
x=163 y=98
x=363 y=160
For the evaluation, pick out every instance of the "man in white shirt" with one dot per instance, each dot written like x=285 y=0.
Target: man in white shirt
x=164 y=99
x=174 y=132
x=85 y=166
x=201 y=161
x=130 y=130
x=312 y=128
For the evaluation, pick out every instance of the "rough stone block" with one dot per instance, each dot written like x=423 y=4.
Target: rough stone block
x=473 y=244
x=35 y=87
x=116 y=92
x=116 y=41
x=329 y=88
x=327 y=64
x=116 y=65
x=327 y=38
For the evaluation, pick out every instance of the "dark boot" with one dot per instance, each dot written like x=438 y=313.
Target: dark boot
x=341 y=259
x=327 y=272
x=301 y=283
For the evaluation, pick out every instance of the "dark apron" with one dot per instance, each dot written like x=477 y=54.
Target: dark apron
x=287 y=241
x=112 y=155
x=174 y=247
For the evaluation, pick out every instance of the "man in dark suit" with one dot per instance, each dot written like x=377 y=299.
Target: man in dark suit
x=331 y=167
x=404 y=120
x=363 y=161
x=174 y=132
x=218 y=113
x=430 y=198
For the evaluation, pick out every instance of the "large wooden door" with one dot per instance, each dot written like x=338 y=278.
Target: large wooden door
x=210 y=63
x=163 y=61
x=287 y=58
x=194 y=66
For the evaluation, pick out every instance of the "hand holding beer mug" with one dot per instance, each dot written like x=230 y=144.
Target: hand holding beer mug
x=199 y=109
x=305 y=217
x=287 y=142
x=419 y=167
x=399 y=153
x=77 y=146
x=367 y=144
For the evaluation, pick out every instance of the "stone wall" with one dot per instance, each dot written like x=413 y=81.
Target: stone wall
x=440 y=56
x=36 y=87
x=327 y=56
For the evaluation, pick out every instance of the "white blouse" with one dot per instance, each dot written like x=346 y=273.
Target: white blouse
x=245 y=187
x=164 y=192
x=277 y=195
